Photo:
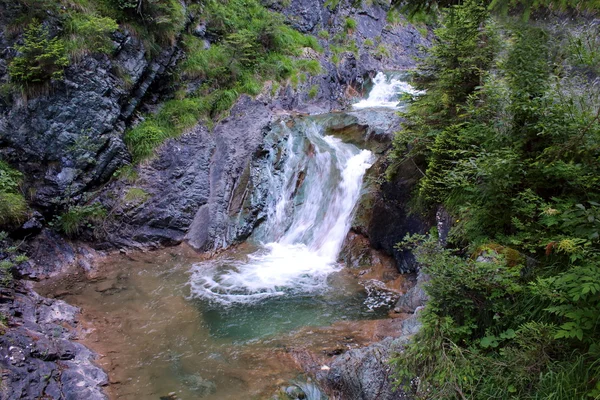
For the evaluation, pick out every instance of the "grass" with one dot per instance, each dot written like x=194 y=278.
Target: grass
x=13 y=207
x=78 y=217
x=255 y=45
x=136 y=195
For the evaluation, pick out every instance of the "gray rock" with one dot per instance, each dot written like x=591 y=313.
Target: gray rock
x=70 y=140
x=195 y=186
x=38 y=358
x=364 y=374
x=415 y=298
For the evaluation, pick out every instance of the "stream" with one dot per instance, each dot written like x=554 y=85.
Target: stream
x=251 y=319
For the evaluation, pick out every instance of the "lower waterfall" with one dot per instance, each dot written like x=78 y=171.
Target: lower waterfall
x=314 y=189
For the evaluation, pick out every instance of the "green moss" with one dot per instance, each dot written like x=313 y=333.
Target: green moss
x=136 y=195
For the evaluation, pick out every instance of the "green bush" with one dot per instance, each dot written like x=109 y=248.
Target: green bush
x=508 y=145
x=350 y=24
x=40 y=58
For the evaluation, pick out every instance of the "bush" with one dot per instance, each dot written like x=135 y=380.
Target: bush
x=350 y=24
x=40 y=59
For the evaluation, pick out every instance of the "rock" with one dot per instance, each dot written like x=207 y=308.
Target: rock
x=444 y=223
x=364 y=374
x=192 y=186
x=413 y=299
x=38 y=358
x=70 y=140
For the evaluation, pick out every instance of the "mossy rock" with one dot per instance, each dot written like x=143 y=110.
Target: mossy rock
x=495 y=251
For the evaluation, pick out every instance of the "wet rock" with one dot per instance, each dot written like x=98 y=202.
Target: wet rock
x=38 y=358
x=195 y=186
x=364 y=374
x=51 y=254
x=378 y=295
x=444 y=223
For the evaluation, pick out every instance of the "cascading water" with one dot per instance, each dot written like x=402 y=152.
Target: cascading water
x=386 y=93
x=313 y=193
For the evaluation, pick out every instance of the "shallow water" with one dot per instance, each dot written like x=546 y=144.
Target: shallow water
x=155 y=339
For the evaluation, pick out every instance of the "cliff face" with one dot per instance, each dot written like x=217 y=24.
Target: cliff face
x=70 y=140
x=194 y=180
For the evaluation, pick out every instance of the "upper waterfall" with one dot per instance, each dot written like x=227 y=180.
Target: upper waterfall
x=386 y=92
x=314 y=190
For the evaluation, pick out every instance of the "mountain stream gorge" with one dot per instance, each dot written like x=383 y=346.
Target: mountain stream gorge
x=261 y=316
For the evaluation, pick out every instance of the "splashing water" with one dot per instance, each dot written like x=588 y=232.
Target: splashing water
x=386 y=93
x=313 y=197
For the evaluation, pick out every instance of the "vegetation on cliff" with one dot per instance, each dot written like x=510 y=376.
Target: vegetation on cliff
x=229 y=48
x=508 y=137
x=249 y=45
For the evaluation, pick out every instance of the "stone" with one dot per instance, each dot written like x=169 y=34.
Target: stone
x=364 y=374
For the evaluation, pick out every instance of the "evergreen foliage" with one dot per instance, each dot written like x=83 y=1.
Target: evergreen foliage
x=508 y=134
x=40 y=58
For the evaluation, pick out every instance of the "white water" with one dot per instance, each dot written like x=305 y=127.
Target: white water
x=386 y=93
x=314 y=195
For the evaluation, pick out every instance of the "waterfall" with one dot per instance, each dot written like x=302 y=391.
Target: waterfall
x=314 y=190
x=386 y=93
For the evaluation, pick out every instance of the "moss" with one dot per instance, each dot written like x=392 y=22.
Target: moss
x=511 y=256
x=136 y=195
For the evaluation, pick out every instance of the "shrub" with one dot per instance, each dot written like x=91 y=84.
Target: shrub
x=40 y=58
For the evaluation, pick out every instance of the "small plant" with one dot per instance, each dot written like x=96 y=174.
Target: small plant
x=323 y=34
x=313 y=92
x=350 y=25
x=6 y=265
x=368 y=43
x=40 y=60
x=12 y=204
x=381 y=51
x=78 y=217
x=21 y=258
